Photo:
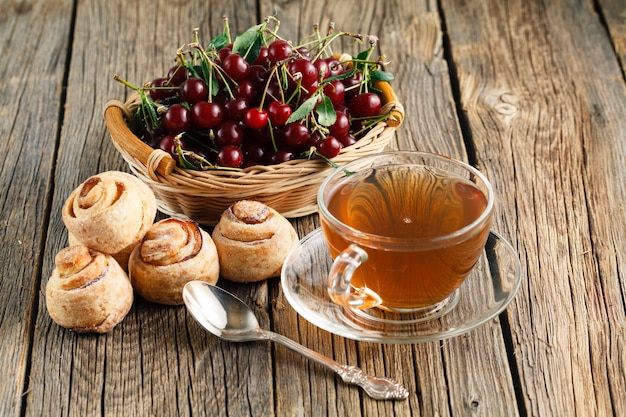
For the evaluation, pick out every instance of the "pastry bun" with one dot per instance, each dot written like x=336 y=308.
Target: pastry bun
x=252 y=241
x=172 y=253
x=88 y=291
x=110 y=212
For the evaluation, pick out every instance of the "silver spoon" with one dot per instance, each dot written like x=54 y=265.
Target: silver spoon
x=229 y=318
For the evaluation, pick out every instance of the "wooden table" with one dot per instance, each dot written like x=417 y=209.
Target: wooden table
x=532 y=92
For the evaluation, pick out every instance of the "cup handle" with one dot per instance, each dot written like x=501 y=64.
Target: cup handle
x=340 y=276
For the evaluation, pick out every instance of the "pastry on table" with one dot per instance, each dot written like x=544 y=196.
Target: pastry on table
x=172 y=253
x=110 y=212
x=252 y=241
x=88 y=291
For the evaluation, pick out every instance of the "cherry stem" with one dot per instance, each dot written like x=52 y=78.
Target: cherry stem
x=227 y=29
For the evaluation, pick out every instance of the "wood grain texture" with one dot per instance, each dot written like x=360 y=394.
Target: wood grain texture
x=532 y=91
x=544 y=99
x=431 y=124
x=35 y=39
x=159 y=362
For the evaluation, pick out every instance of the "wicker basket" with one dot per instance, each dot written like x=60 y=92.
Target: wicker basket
x=290 y=187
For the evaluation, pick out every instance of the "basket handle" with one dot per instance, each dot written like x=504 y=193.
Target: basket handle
x=389 y=97
x=118 y=128
x=391 y=103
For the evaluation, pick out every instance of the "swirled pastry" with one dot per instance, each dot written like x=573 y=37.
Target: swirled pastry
x=172 y=253
x=88 y=291
x=110 y=212
x=252 y=241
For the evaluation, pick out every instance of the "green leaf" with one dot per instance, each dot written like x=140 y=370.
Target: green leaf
x=326 y=114
x=148 y=112
x=255 y=49
x=363 y=55
x=304 y=110
x=341 y=76
x=379 y=75
x=244 y=42
x=136 y=122
x=206 y=71
x=218 y=42
x=192 y=70
x=185 y=163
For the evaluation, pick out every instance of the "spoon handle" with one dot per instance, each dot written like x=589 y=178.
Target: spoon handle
x=379 y=388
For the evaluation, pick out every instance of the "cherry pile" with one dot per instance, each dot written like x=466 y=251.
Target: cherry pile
x=260 y=100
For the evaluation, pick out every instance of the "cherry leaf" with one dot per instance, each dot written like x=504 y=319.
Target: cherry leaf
x=218 y=42
x=326 y=114
x=381 y=75
x=248 y=44
x=304 y=110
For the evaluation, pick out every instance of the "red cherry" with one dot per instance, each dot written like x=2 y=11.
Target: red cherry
x=168 y=145
x=229 y=133
x=262 y=58
x=230 y=156
x=256 y=118
x=335 y=91
x=258 y=77
x=280 y=156
x=177 y=74
x=236 y=67
x=279 y=50
x=224 y=52
x=314 y=140
x=352 y=84
x=341 y=126
x=365 y=105
x=206 y=115
x=193 y=90
x=236 y=109
x=177 y=118
x=306 y=69
x=160 y=93
x=295 y=134
x=334 y=66
x=322 y=68
x=329 y=147
x=347 y=140
x=279 y=113
x=246 y=91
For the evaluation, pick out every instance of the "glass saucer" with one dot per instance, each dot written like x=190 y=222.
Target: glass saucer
x=486 y=292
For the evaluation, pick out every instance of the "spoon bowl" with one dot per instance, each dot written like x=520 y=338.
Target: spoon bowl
x=221 y=313
x=229 y=318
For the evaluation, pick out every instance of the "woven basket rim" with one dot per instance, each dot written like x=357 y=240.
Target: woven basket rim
x=159 y=163
x=289 y=187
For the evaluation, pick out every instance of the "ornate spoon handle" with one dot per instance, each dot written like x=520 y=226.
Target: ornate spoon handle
x=379 y=388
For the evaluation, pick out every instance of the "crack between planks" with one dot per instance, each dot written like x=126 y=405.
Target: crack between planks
x=597 y=7
x=466 y=131
x=468 y=141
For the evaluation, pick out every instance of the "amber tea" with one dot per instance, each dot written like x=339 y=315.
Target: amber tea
x=416 y=225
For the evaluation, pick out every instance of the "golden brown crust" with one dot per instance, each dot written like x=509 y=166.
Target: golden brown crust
x=110 y=212
x=172 y=253
x=88 y=291
x=252 y=241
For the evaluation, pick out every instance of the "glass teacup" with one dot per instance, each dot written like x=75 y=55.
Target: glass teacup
x=404 y=228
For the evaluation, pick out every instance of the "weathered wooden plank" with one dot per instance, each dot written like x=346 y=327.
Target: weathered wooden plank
x=158 y=361
x=614 y=12
x=34 y=38
x=442 y=380
x=544 y=100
